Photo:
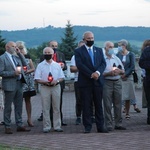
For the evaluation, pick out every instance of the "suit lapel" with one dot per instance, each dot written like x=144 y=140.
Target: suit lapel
x=9 y=61
x=87 y=54
x=94 y=54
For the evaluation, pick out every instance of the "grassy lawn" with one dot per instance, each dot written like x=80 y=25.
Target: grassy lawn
x=5 y=147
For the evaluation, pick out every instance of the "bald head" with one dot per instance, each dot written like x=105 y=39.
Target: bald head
x=48 y=53
x=88 y=38
x=88 y=35
x=53 y=44
x=48 y=50
x=108 y=45
x=10 y=47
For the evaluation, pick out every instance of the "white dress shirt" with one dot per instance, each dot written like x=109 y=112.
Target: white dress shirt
x=43 y=69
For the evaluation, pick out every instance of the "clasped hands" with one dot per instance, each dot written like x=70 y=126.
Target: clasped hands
x=95 y=76
x=53 y=83
x=116 y=72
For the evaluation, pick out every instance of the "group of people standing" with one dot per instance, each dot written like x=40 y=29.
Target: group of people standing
x=103 y=80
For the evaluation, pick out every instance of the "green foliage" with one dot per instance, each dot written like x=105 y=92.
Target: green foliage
x=36 y=36
x=2 y=44
x=68 y=43
x=35 y=53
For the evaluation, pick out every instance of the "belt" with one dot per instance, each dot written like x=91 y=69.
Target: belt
x=18 y=80
x=112 y=79
x=47 y=85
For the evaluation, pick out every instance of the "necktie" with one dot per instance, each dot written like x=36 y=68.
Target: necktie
x=16 y=64
x=14 y=60
x=91 y=55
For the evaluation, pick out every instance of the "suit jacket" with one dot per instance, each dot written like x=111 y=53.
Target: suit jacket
x=144 y=62
x=9 y=79
x=86 y=68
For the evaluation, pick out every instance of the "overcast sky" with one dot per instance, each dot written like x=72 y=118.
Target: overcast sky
x=27 y=14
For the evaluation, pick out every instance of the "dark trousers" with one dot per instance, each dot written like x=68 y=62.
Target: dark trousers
x=89 y=94
x=78 y=106
x=146 y=84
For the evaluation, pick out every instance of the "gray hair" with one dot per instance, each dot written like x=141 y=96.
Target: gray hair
x=87 y=32
x=108 y=42
x=123 y=42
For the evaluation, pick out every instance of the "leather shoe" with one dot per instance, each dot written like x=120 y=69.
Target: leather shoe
x=102 y=131
x=64 y=124
x=78 y=121
x=87 y=131
x=120 y=128
x=8 y=131
x=23 y=129
x=109 y=128
x=58 y=130
x=148 y=120
x=2 y=123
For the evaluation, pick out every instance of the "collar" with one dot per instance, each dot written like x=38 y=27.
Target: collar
x=89 y=47
x=45 y=62
x=8 y=54
x=112 y=56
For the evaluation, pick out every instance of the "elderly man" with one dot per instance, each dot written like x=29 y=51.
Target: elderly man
x=60 y=58
x=12 y=79
x=112 y=88
x=49 y=74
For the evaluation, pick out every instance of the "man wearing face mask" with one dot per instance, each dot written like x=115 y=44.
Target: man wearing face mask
x=12 y=74
x=91 y=64
x=60 y=58
x=112 y=88
x=50 y=89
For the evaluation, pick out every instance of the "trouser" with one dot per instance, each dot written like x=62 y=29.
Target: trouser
x=146 y=85
x=51 y=95
x=112 y=91
x=15 y=97
x=89 y=95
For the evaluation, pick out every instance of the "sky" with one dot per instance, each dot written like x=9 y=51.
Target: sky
x=28 y=14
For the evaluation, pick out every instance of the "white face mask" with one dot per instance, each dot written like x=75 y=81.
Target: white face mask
x=120 y=48
x=111 y=51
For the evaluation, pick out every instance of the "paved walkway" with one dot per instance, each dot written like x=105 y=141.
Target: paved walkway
x=136 y=137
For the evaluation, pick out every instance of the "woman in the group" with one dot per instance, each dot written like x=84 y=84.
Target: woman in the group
x=28 y=89
x=144 y=63
x=128 y=60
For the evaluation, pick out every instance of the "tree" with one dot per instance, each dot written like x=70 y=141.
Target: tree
x=2 y=45
x=68 y=43
x=36 y=53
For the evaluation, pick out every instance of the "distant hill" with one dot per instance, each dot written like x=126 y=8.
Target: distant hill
x=36 y=36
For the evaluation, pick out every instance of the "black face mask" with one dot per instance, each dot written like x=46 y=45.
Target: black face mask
x=89 y=43
x=48 y=57
x=55 y=49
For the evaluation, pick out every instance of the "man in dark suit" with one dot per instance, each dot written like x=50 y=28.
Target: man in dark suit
x=12 y=78
x=91 y=65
